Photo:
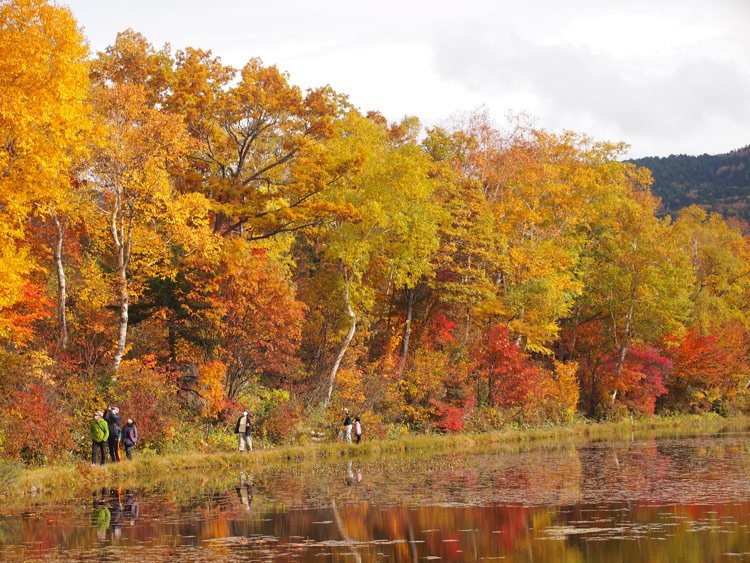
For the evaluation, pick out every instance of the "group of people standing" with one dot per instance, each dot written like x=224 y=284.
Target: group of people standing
x=105 y=429
x=348 y=426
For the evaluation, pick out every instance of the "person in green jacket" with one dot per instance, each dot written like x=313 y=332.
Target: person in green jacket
x=99 y=431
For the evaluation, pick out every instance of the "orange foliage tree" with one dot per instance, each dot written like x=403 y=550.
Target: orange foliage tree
x=258 y=331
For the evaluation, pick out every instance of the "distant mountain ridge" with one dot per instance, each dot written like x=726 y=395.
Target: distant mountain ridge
x=718 y=183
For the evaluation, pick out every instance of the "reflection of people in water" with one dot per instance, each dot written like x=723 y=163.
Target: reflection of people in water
x=245 y=491
x=131 y=508
x=100 y=515
x=115 y=508
x=350 y=478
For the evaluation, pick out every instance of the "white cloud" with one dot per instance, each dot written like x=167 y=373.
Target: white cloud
x=644 y=101
x=667 y=76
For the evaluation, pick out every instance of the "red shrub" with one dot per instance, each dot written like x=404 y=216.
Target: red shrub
x=450 y=417
x=34 y=427
x=281 y=422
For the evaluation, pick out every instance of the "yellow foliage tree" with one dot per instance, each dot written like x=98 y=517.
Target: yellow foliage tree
x=132 y=187
x=43 y=117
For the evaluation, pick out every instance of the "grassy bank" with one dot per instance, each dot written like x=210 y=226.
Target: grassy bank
x=67 y=479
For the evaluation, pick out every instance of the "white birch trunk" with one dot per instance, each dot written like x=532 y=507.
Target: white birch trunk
x=342 y=350
x=62 y=319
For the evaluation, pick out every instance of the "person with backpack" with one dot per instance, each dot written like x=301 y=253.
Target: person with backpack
x=129 y=438
x=112 y=417
x=244 y=429
x=99 y=432
x=347 y=426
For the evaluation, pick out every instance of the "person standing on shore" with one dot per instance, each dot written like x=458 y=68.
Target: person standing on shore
x=112 y=417
x=357 y=428
x=99 y=432
x=244 y=429
x=129 y=438
x=348 y=426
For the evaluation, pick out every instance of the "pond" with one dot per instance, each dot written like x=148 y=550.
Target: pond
x=656 y=499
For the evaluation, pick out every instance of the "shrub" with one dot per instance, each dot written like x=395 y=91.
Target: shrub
x=9 y=472
x=487 y=418
x=81 y=398
x=148 y=396
x=422 y=387
x=34 y=427
x=221 y=439
x=274 y=417
x=451 y=417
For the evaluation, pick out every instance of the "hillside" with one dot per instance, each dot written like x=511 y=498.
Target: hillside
x=716 y=182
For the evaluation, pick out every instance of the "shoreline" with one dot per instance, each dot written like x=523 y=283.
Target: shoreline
x=68 y=479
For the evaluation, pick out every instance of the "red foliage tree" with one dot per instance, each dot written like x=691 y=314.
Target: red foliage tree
x=511 y=378
x=706 y=366
x=641 y=381
x=698 y=359
x=439 y=331
x=33 y=306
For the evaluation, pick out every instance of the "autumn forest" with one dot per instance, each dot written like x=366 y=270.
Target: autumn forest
x=184 y=239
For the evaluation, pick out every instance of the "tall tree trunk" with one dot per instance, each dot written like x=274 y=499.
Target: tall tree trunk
x=172 y=339
x=622 y=352
x=573 y=343
x=467 y=327
x=342 y=350
x=122 y=234
x=62 y=319
x=410 y=295
x=122 y=333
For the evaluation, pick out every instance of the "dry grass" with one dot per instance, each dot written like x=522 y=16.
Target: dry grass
x=67 y=479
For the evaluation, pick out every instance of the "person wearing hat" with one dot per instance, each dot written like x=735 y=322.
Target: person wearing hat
x=129 y=437
x=99 y=432
x=244 y=428
x=112 y=417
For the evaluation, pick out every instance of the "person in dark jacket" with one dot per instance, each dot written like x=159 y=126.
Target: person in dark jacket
x=347 y=426
x=99 y=432
x=129 y=438
x=112 y=416
x=244 y=428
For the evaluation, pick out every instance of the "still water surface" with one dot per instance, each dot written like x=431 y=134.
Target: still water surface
x=685 y=499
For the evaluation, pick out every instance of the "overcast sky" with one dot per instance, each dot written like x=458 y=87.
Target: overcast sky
x=667 y=76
